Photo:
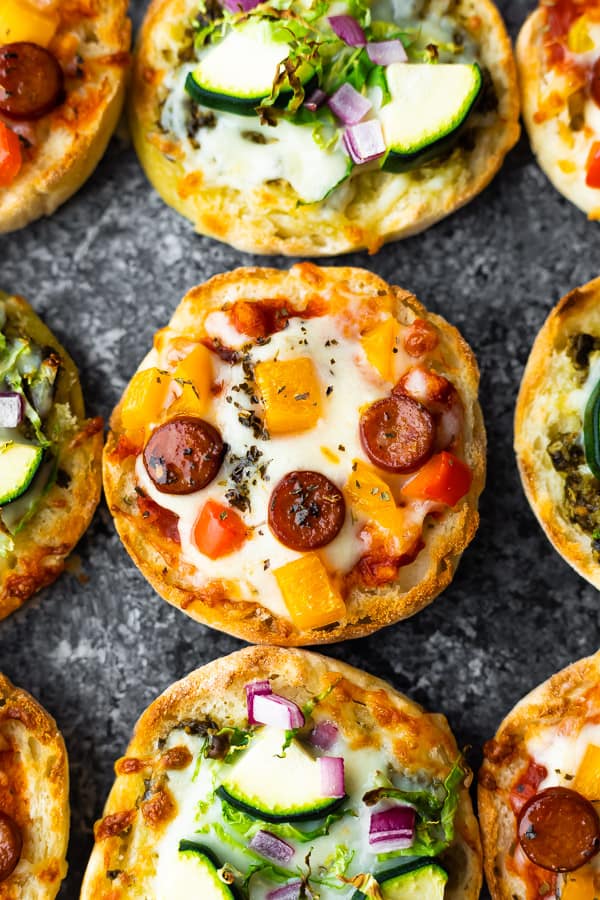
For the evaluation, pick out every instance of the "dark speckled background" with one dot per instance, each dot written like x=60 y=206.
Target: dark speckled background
x=106 y=271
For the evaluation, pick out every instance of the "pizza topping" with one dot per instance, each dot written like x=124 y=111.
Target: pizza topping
x=443 y=479
x=397 y=433
x=559 y=830
x=306 y=510
x=31 y=81
x=21 y=20
x=11 y=158
x=11 y=845
x=592 y=176
x=183 y=455
x=219 y=530
x=591 y=430
x=310 y=598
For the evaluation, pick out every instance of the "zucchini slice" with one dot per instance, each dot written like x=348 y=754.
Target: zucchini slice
x=424 y=879
x=193 y=873
x=19 y=461
x=268 y=785
x=429 y=104
x=237 y=74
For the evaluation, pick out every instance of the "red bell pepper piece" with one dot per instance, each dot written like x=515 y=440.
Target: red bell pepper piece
x=218 y=530
x=443 y=479
x=11 y=158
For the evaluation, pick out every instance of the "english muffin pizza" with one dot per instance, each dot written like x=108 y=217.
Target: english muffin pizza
x=50 y=455
x=34 y=798
x=298 y=459
x=62 y=84
x=313 y=127
x=557 y=429
x=539 y=790
x=278 y=774
x=558 y=55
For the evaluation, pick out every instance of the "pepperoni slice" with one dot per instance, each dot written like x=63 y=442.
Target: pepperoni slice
x=397 y=433
x=559 y=830
x=183 y=455
x=11 y=844
x=306 y=510
x=31 y=81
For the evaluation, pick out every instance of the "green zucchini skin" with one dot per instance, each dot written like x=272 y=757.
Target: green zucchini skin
x=390 y=874
x=591 y=432
x=240 y=106
x=407 y=162
x=276 y=819
x=190 y=846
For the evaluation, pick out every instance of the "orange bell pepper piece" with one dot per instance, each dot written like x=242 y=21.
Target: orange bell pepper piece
x=218 y=530
x=443 y=479
x=308 y=593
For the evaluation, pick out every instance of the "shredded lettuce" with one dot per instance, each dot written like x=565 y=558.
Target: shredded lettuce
x=436 y=810
x=248 y=826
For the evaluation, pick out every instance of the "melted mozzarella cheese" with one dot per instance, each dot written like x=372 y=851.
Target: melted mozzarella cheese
x=193 y=822
x=354 y=382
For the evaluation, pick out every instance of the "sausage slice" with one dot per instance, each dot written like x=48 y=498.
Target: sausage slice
x=306 y=510
x=397 y=433
x=559 y=830
x=183 y=455
x=11 y=844
x=31 y=81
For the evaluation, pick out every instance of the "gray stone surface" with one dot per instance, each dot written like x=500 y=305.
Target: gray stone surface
x=106 y=271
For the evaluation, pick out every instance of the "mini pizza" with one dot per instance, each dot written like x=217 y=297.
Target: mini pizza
x=50 y=455
x=62 y=85
x=34 y=798
x=539 y=790
x=298 y=459
x=314 y=127
x=557 y=429
x=278 y=774
x=558 y=56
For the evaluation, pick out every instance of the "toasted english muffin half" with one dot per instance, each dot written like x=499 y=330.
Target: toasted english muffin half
x=61 y=149
x=190 y=743
x=270 y=378
x=50 y=463
x=557 y=387
x=550 y=739
x=557 y=49
x=34 y=798
x=281 y=211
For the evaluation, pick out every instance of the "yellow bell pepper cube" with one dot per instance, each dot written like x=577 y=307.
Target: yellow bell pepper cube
x=20 y=21
x=291 y=394
x=378 y=344
x=370 y=498
x=587 y=777
x=308 y=593
x=194 y=376
x=145 y=399
x=579 y=885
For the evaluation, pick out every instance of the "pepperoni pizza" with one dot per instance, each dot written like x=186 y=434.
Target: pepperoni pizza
x=62 y=84
x=539 y=788
x=558 y=56
x=34 y=798
x=298 y=459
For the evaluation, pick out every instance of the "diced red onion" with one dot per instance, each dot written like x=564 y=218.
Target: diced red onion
x=235 y=6
x=384 y=53
x=290 y=891
x=348 y=105
x=252 y=689
x=348 y=30
x=11 y=409
x=272 y=847
x=316 y=99
x=332 y=776
x=364 y=141
x=271 y=709
x=324 y=735
x=392 y=829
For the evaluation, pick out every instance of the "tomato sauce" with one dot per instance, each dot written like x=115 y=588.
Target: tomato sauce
x=163 y=519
